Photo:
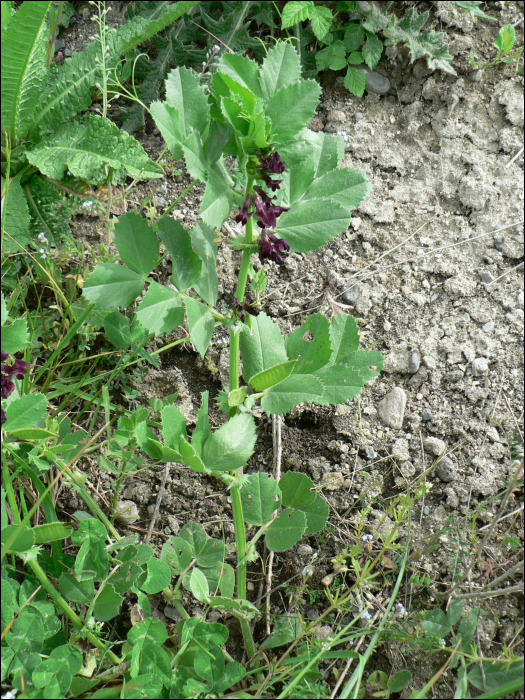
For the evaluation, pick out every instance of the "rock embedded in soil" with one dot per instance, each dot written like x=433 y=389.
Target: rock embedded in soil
x=126 y=512
x=391 y=410
x=480 y=367
x=376 y=83
x=337 y=115
x=426 y=414
x=417 y=379
x=446 y=469
x=413 y=363
x=397 y=361
x=434 y=446
x=333 y=481
x=485 y=276
x=400 y=451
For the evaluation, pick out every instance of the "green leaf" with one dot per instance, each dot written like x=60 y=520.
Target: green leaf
x=76 y=591
x=202 y=428
x=310 y=224
x=213 y=552
x=505 y=39
x=372 y=51
x=342 y=383
x=185 y=261
x=297 y=389
x=107 y=604
x=466 y=629
x=314 y=353
x=263 y=348
x=159 y=576
x=260 y=496
x=185 y=108
x=17 y=219
x=226 y=579
x=230 y=447
x=286 y=531
x=177 y=553
x=209 y=664
x=436 y=623
x=455 y=611
x=137 y=243
x=296 y=490
x=355 y=81
x=112 y=285
x=173 y=426
x=190 y=456
x=15 y=336
x=217 y=201
x=280 y=68
x=118 y=332
x=27 y=412
x=294 y=12
x=333 y=57
x=270 y=377
x=194 y=156
x=473 y=9
x=347 y=187
x=287 y=628
x=24 y=68
x=88 y=151
x=22 y=542
x=353 y=37
x=244 y=71
x=344 y=338
x=316 y=515
x=195 y=535
x=161 y=310
x=201 y=324
x=292 y=107
x=321 y=19
x=496 y=675
x=207 y=283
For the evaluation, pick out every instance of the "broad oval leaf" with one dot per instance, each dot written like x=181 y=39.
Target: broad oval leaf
x=261 y=348
x=284 y=532
x=112 y=286
x=297 y=490
x=177 y=553
x=316 y=515
x=185 y=261
x=161 y=309
x=311 y=354
x=270 y=377
x=231 y=445
x=136 y=243
x=199 y=586
x=260 y=496
x=310 y=224
x=297 y=389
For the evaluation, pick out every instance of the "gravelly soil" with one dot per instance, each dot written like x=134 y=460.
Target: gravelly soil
x=429 y=269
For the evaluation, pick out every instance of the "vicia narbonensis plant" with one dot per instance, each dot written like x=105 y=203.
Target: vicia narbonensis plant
x=285 y=179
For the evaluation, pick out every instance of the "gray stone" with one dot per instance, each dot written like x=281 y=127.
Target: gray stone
x=413 y=364
x=350 y=297
x=370 y=452
x=429 y=362
x=400 y=450
x=498 y=242
x=445 y=469
x=358 y=116
x=520 y=300
x=323 y=632
x=485 y=276
x=333 y=481
x=488 y=327
x=160 y=202
x=68 y=53
x=397 y=361
x=304 y=550
x=407 y=469
x=391 y=410
x=126 y=512
x=434 y=445
x=480 y=367
x=417 y=379
x=336 y=115
x=426 y=414
x=375 y=82
x=475 y=76
x=59 y=45
x=454 y=376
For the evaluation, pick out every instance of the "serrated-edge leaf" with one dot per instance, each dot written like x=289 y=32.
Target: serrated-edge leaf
x=296 y=390
x=292 y=107
x=24 y=67
x=280 y=68
x=207 y=283
x=312 y=354
x=190 y=456
x=230 y=447
x=294 y=12
x=112 y=285
x=201 y=324
x=355 y=81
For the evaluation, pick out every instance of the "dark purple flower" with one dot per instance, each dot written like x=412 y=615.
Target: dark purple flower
x=5 y=356
x=270 y=247
x=273 y=185
x=4 y=415
x=267 y=212
x=18 y=369
x=272 y=164
x=244 y=214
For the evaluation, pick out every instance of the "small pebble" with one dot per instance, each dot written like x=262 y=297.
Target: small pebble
x=498 y=242
x=312 y=614
x=434 y=446
x=445 y=469
x=429 y=362
x=68 y=53
x=126 y=512
x=413 y=363
x=336 y=115
x=250 y=586
x=417 y=379
x=426 y=414
x=476 y=76
x=485 y=276
x=391 y=410
x=304 y=550
x=333 y=481
x=426 y=510
x=387 y=326
x=370 y=452
x=59 y=45
x=358 y=116
x=454 y=376
x=375 y=82
x=400 y=450
x=350 y=297
x=488 y=327
x=480 y=367
x=323 y=632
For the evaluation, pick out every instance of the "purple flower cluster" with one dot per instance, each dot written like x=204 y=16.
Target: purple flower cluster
x=18 y=370
x=270 y=246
